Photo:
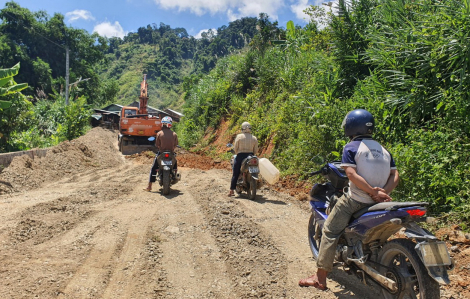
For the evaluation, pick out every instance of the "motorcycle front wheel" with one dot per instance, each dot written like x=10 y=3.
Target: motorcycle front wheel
x=252 y=189
x=314 y=236
x=166 y=182
x=406 y=268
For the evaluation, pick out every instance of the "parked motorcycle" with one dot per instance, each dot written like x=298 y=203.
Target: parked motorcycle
x=411 y=267
x=167 y=175
x=248 y=181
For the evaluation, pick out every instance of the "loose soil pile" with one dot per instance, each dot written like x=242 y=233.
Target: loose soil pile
x=96 y=150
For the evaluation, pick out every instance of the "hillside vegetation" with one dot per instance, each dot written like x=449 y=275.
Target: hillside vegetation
x=405 y=61
x=170 y=57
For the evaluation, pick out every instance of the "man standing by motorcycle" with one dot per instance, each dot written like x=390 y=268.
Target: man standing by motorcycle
x=166 y=140
x=372 y=176
x=245 y=144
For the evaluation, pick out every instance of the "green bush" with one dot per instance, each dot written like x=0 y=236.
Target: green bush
x=51 y=122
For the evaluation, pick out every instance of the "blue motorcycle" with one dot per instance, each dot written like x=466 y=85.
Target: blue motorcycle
x=411 y=267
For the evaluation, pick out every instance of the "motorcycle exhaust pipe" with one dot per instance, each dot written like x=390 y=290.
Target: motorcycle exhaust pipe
x=382 y=280
x=178 y=176
x=451 y=267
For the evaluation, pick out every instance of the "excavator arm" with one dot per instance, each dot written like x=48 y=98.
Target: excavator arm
x=136 y=126
x=143 y=96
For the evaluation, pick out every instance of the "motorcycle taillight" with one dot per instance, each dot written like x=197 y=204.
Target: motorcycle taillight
x=416 y=213
x=167 y=155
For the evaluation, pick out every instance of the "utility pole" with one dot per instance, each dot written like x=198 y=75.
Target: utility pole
x=66 y=75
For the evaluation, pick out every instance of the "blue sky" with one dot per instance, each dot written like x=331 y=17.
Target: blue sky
x=119 y=17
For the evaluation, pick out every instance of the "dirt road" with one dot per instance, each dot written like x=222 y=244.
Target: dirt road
x=90 y=231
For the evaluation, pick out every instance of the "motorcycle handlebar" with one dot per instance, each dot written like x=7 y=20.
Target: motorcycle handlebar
x=315 y=172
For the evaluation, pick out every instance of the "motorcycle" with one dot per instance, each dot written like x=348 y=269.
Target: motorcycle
x=167 y=175
x=411 y=267
x=248 y=181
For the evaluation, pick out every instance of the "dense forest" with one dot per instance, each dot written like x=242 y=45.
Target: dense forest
x=405 y=61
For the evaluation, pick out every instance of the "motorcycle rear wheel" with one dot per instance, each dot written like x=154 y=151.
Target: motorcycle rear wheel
x=166 y=182
x=252 y=189
x=400 y=255
x=312 y=231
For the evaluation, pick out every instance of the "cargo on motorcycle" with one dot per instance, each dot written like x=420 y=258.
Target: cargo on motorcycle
x=245 y=163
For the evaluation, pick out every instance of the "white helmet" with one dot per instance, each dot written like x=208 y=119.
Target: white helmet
x=167 y=121
x=246 y=127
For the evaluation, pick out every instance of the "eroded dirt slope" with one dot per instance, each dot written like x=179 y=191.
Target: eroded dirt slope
x=77 y=224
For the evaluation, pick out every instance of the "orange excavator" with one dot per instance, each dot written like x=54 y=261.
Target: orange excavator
x=136 y=126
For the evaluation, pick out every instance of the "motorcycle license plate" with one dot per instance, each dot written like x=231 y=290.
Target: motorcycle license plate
x=434 y=253
x=166 y=163
x=253 y=169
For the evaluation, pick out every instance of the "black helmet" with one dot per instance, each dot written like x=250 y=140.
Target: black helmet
x=358 y=122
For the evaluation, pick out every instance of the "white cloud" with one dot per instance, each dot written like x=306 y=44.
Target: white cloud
x=199 y=35
x=300 y=5
x=79 y=14
x=109 y=30
x=298 y=9
x=233 y=9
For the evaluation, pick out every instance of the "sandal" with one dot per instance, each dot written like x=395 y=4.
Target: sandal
x=312 y=281
x=231 y=193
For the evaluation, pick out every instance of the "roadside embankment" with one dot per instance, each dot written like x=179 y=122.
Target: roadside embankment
x=6 y=158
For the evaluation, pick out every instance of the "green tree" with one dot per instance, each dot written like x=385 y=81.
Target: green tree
x=348 y=29
x=14 y=108
x=8 y=85
x=38 y=41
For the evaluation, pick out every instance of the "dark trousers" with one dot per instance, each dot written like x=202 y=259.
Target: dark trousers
x=154 y=170
x=236 y=168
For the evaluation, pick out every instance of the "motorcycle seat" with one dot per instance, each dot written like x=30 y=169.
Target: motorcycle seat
x=247 y=158
x=388 y=206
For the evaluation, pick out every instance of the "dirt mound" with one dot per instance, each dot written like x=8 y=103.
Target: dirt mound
x=186 y=159
x=95 y=150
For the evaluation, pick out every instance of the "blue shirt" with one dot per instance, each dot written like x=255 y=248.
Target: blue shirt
x=372 y=162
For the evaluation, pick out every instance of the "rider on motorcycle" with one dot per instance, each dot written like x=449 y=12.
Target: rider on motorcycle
x=245 y=144
x=372 y=176
x=166 y=140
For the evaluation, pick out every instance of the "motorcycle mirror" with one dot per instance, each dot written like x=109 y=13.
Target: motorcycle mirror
x=229 y=145
x=151 y=139
x=318 y=160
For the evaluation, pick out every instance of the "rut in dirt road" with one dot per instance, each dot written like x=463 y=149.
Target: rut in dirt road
x=257 y=268
x=78 y=240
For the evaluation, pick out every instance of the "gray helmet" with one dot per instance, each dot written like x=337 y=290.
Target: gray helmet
x=246 y=127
